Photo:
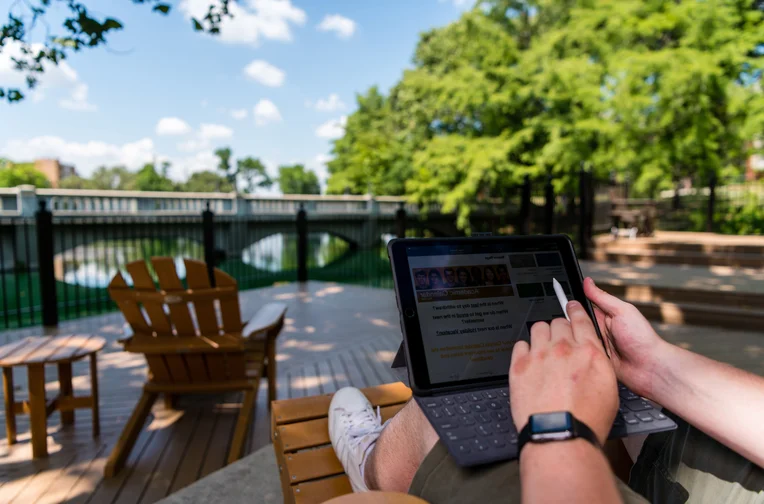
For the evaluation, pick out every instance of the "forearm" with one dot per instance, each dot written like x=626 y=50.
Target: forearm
x=569 y=471
x=720 y=400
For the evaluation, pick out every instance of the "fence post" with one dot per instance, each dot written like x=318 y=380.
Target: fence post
x=711 y=203
x=549 y=205
x=45 y=252
x=525 y=206
x=591 y=206
x=583 y=200
x=400 y=221
x=302 y=245
x=208 y=238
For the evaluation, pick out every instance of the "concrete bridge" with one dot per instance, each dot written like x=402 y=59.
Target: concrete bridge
x=81 y=217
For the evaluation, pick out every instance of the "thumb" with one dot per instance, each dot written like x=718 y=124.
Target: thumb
x=610 y=305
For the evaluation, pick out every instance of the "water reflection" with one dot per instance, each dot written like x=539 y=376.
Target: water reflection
x=278 y=252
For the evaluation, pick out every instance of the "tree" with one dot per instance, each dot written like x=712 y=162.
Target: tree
x=295 y=179
x=147 y=179
x=75 y=182
x=253 y=174
x=656 y=91
x=80 y=29
x=224 y=164
x=117 y=177
x=22 y=174
x=207 y=181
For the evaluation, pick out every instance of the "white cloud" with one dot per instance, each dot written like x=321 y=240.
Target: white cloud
x=264 y=73
x=342 y=26
x=85 y=156
x=239 y=114
x=333 y=128
x=172 y=126
x=60 y=80
x=252 y=20
x=204 y=103
x=266 y=112
x=318 y=165
x=214 y=131
x=329 y=104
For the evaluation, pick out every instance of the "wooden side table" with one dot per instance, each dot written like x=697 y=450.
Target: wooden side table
x=35 y=353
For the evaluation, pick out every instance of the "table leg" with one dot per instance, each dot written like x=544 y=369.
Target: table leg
x=38 y=418
x=10 y=407
x=94 y=393
x=65 y=385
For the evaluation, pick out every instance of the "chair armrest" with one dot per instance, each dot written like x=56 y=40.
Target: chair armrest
x=267 y=318
x=127 y=334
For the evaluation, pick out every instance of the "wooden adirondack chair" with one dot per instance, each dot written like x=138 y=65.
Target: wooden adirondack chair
x=189 y=354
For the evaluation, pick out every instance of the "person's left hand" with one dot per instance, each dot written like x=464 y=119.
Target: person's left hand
x=564 y=369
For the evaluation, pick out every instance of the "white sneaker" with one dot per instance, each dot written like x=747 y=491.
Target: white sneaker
x=353 y=428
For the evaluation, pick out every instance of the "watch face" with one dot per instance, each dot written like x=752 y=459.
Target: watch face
x=547 y=423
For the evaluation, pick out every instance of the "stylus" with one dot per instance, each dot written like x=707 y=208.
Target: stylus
x=561 y=297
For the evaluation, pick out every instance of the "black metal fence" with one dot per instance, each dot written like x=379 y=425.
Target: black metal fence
x=58 y=268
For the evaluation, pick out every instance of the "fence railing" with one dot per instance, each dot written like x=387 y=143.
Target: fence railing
x=56 y=265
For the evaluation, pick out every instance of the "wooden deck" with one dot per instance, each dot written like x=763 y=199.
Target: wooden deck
x=336 y=335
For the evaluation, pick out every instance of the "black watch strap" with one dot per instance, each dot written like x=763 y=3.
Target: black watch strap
x=579 y=430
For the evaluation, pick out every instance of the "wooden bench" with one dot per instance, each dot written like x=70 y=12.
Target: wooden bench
x=309 y=470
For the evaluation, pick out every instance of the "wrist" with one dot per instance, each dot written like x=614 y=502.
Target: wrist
x=568 y=449
x=662 y=378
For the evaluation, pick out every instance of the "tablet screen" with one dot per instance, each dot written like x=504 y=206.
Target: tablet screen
x=475 y=301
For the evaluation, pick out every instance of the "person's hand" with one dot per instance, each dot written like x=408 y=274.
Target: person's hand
x=565 y=368
x=634 y=346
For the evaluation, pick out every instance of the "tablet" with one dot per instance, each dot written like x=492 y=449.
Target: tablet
x=465 y=302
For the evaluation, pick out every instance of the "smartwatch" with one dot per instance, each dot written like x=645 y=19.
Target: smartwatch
x=558 y=426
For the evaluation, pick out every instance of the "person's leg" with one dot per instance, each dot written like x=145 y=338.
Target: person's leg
x=399 y=451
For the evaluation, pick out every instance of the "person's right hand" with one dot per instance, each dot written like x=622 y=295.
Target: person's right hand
x=633 y=345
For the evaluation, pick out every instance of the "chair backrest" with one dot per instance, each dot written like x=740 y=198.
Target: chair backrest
x=166 y=330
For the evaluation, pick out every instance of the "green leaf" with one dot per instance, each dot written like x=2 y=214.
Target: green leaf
x=163 y=8
x=197 y=25
x=111 y=24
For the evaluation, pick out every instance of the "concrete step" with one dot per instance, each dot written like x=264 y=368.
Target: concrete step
x=674 y=295
x=703 y=315
x=626 y=255
x=648 y=244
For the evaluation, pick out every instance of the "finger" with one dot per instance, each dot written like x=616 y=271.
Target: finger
x=541 y=335
x=519 y=350
x=581 y=324
x=601 y=318
x=610 y=305
x=561 y=330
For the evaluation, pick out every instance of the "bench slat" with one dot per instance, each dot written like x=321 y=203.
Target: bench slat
x=315 y=492
x=312 y=464
x=299 y=436
x=308 y=408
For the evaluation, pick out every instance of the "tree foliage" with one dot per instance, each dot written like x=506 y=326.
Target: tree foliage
x=207 y=181
x=80 y=29
x=295 y=179
x=249 y=172
x=16 y=174
x=653 y=90
x=148 y=179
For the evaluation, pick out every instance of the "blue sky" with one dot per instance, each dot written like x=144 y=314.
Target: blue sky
x=275 y=85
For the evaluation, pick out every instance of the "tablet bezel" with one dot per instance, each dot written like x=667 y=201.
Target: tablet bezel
x=405 y=296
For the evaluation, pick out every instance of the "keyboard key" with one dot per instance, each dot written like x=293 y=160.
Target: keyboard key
x=618 y=420
x=448 y=411
x=467 y=420
x=459 y=434
x=460 y=398
x=495 y=405
x=501 y=427
x=497 y=442
x=513 y=438
x=463 y=409
x=630 y=419
x=638 y=405
x=645 y=417
x=628 y=395
x=435 y=413
x=474 y=396
x=482 y=447
x=448 y=401
x=498 y=415
x=503 y=392
x=658 y=415
x=483 y=430
x=463 y=448
x=432 y=403
x=622 y=409
x=479 y=408
x=449 y=425
x=484 y=418
x=489 y=395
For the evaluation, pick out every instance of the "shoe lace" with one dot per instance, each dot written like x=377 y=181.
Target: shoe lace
x=363 y=423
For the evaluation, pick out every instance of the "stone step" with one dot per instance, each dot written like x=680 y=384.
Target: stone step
x=626 y=255
x=654 y=294
x=703 y=315
x=647 y=244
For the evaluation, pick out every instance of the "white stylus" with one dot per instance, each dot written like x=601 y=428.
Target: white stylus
x=561 y=297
